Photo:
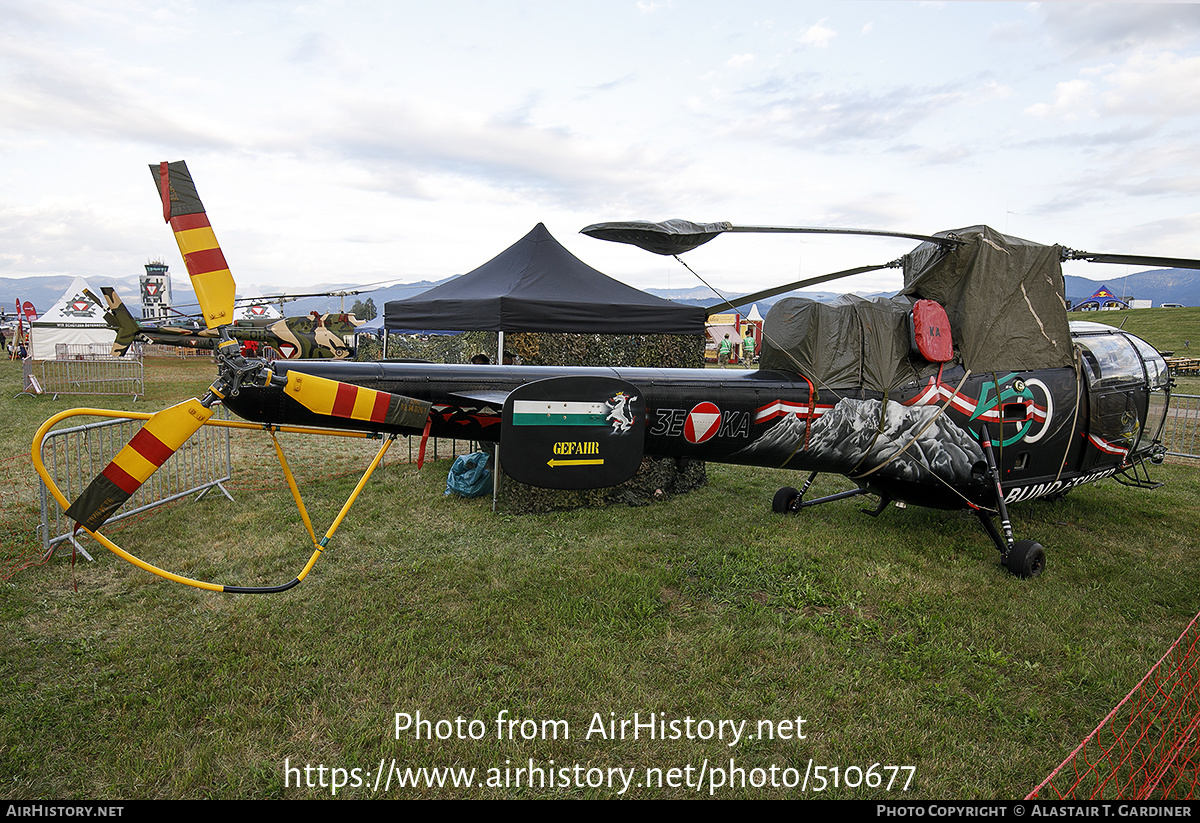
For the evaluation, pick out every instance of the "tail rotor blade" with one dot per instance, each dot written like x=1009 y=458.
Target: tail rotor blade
x=210 y=275
x=331 y=397
x=158 y=439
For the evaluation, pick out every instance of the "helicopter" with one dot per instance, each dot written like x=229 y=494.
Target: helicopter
x=967 y=390
x=311 y=336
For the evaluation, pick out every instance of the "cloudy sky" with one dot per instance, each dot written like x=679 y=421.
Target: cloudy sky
x=357 y=142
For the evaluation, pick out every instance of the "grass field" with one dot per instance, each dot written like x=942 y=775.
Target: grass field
x=1165 y=329
x=898 y=640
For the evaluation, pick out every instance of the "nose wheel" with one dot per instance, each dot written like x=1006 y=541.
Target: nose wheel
x=1026 y=559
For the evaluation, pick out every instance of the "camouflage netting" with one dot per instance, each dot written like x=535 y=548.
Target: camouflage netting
x=435 y=348
x=540 y=349
x=628 y=350
x=656 y=479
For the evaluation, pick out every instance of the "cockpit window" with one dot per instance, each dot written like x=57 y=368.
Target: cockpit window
x=1110 y=359
x=1156 y=367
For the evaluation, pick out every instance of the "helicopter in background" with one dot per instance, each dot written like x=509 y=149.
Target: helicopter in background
x=303 y=337
x=968 y=390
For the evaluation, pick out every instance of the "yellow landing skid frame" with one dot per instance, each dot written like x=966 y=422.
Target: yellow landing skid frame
x=319 y=545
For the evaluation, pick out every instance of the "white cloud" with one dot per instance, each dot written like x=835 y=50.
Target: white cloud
x=1086 y=31
x=817 y=35
x=315 y=128
x=1161 y=87
x=436 y=141
x=1072 y=99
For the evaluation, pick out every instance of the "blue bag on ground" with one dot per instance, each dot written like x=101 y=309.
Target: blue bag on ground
x=469 y=475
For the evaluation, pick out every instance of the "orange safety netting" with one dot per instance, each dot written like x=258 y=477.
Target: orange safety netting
x=1149 y=745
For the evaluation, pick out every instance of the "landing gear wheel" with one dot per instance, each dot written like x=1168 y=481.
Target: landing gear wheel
x=785 y=498
x=1026 y=559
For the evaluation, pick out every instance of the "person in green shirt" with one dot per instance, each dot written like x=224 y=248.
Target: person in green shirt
x=724 y=349
x=748 y=349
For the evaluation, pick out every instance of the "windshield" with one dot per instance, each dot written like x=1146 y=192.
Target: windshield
x=1110 y=360
x=1113 y=359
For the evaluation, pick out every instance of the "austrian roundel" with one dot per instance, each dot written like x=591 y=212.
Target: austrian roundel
x=703 y=421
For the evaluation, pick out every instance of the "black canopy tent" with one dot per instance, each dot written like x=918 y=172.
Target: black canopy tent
x=536 y=285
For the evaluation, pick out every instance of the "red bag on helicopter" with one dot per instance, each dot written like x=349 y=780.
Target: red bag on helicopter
x=931 y=332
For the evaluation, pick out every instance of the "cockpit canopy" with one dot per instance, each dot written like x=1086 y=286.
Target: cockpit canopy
x=1112 y=357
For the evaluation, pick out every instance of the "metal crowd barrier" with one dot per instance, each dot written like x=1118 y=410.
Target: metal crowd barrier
x=82 y=351
x=73 y=456
x=102 y=375
x=1181 y=434
x=162 y=350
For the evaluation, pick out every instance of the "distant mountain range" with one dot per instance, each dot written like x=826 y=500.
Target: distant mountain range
x=44 y=292
x=1160 y=286
x=704 y=297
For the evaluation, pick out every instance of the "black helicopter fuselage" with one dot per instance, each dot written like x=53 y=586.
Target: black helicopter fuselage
x=1050 y=429
x=968 y=389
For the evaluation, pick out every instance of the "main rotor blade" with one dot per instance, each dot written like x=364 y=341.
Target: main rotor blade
x=733 y=302
x=321 y=395
x=158 y=439
x=678 y=236
x=668 y=237
x=1132 y=259
x=927 y=238
x=211 y=278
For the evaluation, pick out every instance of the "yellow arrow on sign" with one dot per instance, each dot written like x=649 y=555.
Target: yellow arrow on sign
x=556 y=463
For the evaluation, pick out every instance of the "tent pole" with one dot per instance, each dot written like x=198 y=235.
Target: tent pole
x=496 y=466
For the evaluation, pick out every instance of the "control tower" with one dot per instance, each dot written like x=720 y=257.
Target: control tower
x=156 y=291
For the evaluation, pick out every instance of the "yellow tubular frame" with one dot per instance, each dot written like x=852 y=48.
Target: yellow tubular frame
x=319 y=546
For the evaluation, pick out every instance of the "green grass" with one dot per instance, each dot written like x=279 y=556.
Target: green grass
x=899 y=639
x=1165 y=329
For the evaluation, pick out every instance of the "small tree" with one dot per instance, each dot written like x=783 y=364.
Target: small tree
x=369 y=311
x=364 y=311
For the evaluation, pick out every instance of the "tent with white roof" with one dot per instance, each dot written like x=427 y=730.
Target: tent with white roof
x=74 y=320
x=253 y=307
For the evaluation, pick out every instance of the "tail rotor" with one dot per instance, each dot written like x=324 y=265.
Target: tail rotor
x=168 y=430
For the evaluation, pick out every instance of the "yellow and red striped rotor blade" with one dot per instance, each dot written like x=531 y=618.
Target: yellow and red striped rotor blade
x=159 y=438
x=211 y=278
x=336 y=399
